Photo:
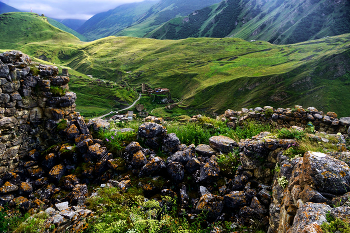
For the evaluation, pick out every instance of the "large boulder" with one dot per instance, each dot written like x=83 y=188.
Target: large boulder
x=205 y=150
x=209 y=172
x=325 y=173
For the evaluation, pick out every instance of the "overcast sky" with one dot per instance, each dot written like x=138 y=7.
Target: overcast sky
x=67 y=9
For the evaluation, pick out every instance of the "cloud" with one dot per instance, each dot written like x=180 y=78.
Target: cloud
x=67 y=9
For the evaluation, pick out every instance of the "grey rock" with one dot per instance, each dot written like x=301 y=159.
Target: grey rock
x=171 y=143
x=176 y=171
x=236 y=199
x=62 y=206
x=153 y=167
x=209 y=172
x=344 y=121
x=328 y=174
x=203 y=190
x=211 y=204
x=58 y=219
x=4 y=98
x=205 y=150
x=182 y=156
x=309 y=213
x=318 y=116
x=193 y=165
x=222 y=143
x=50 y=211
x=151 y=130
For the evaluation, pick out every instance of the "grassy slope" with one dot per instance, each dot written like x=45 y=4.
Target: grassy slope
x=66 y=29
x=53 y=44
x=109 y=23
x=161 y=13
x=277 y=21
x=215 y=74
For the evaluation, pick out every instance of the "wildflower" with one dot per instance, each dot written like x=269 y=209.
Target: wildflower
x=107 y=140
x=339 y=134
x=112 y=137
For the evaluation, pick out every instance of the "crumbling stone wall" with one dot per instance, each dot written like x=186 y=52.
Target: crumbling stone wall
x=287 y=117
x=33 y=99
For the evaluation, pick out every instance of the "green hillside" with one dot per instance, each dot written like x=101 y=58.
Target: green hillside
x=277 y=21
x=109 y=23
x=74 y=24
x=66 y=29
x=22 y=28
x=211 y=74
x=4 y=8
x=161 y=12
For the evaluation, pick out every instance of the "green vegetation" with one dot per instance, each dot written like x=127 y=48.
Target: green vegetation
x=109 y=23
x=160 y=13
x=57 y=91
x=15 y=221
x=66 y=29
x=117 y=141
x=121 y=212
x=335 y=225
x=280 y=22
x=291 y=133
x=229 y=163
x=200 y=132
x=210 y=75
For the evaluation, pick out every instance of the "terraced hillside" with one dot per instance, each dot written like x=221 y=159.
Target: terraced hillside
x=276 y=21
x=213 y=74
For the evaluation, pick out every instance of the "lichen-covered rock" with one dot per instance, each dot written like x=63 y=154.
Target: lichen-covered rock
x=8 y=188
x=133 y=147
x=209 y=172
x=193 y=165
x=236 y=199
x=205 y=150
x=72 y=131
x=153 y=167
x=171 y=143
x=70 y=181
x=78 y=194
x=25 y=188
x=57 y=172
x=182 y=156
x=35 y=172
x=325 y=173
x=49 y=161
x=176 y=171
x=138 y=159
x=151 y=130
x=96 y=152
x=212 y=204
x=59 y=80
x=308 y=214
x=222 y=143
x=21 y=202
x=98 y=124
x=341 y=212
x=15 y=57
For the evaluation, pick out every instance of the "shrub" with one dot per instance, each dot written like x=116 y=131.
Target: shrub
x=335 y=225
x=57 y=91
x=290 y=134
x=116 y=141
x=228 y=163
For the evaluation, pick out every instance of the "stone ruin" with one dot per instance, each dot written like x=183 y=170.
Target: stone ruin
x=43 y=140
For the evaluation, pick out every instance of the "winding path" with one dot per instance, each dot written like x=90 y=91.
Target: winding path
x=114 y=112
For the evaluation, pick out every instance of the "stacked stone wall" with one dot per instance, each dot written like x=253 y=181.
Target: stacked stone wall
x=287 y=117
x=33 y=100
